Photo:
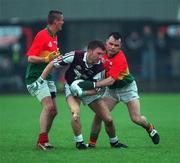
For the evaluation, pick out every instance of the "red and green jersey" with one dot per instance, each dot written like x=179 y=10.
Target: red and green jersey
x=117 y=68
x=43 y=44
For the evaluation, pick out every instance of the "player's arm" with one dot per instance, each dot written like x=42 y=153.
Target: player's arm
x=91 y=92
x=48 y=58
x=35 y=59
x=57 y=63
x=105 y=82
x=118 y=67
x=76 y=90
x=47 y=70
x=88 y=85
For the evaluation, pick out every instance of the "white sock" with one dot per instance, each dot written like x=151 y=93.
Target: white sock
x=78 y=138
x=113 y=140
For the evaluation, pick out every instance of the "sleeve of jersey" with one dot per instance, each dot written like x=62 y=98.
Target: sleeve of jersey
x=37 y=46
x=64 y=60
x=119 y=66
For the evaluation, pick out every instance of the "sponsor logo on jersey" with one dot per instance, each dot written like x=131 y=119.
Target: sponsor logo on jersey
x=50 y=44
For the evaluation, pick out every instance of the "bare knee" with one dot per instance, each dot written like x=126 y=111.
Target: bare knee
x=51 y=110
x=75 y=116
x=108 y=121
x=138 y=119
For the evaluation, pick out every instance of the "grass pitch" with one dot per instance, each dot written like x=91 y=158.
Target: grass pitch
x=19 y=118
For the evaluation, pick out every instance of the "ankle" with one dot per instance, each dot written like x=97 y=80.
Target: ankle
x=92 y=141
x=149 y=128
x=78 y=138
x=43 y=138
x=113 y=140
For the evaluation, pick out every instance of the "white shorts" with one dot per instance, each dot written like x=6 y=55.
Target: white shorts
x=125 y=94
x=86 y=99
x=45 y=90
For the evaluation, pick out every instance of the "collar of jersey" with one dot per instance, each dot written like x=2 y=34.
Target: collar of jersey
x=49 y=31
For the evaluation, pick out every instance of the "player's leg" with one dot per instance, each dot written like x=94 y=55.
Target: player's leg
x=53 y=113
x=74 y=105
x=95 y=130
x=46 y=119
x=134 y=113
x=129 y=95
x=136 y=117
x=53 y=110
x=48 y=112
x=96 y=124
x=102 y=111
x=47 y=115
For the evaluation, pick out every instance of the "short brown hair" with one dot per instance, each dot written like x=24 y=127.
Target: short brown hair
x=96 y=44
x=53 y=15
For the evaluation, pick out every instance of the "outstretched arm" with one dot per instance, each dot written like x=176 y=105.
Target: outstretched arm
x=35 y=59
x=60 y=61
x=105 y=82
x=88 y=85
x=47 y=70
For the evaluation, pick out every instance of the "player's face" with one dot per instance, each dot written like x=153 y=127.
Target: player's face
x=95 y=55
x=113 y=46
x=59 y=22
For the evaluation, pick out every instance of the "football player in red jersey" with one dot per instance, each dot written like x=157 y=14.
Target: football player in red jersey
x=44 y=49
x=121 y=87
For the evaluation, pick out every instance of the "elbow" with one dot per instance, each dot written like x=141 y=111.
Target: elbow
x=111 y=81
x=30 y=59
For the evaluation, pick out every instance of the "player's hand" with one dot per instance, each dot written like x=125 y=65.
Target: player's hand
x=98 y=90
x=52 y=56
x=87 y=85
x=79 y=93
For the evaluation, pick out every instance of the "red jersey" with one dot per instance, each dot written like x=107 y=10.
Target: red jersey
x=43 y=44
x=117 y=68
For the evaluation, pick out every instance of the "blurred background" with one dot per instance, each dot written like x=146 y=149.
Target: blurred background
x=150 y=30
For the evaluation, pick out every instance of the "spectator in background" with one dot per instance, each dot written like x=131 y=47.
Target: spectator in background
x=134 y=46
x=163 y=50
x=148 y=69
x=18 y=69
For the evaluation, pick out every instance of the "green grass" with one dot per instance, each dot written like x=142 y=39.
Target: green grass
x=19 y=118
